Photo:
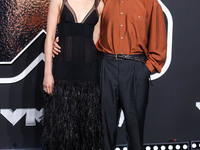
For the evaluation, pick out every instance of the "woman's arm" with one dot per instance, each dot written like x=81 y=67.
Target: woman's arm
x=52 y=20
x=96 y=33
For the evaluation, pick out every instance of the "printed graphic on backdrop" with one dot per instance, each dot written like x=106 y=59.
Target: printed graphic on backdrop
x=21 y=21
x=21 y=64
x=26 y=70
x=32 y=115
x=21 y=104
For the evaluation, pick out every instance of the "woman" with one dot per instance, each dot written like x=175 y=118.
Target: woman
x=72 y=117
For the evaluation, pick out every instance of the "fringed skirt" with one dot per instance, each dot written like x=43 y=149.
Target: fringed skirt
x=72 y=117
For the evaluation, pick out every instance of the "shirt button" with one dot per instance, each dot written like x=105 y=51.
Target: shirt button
x=122 y=2
x=121 y=25
x=122 y=37
x=122 y=13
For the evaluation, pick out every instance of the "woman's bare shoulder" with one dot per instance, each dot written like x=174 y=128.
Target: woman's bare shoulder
x=56 y=3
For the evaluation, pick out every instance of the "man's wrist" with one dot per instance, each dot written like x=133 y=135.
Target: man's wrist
x=149 y=66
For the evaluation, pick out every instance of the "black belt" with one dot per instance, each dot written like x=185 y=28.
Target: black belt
x=137 y=57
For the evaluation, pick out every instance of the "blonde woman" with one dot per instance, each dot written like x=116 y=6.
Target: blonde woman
x=72 y=117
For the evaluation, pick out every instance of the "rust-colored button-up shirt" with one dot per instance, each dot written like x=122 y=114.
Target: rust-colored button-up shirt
x=134 y=27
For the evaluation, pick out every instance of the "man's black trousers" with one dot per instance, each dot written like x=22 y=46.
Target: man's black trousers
x=124 y=85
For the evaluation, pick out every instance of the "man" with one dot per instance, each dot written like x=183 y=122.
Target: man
x=132 y=44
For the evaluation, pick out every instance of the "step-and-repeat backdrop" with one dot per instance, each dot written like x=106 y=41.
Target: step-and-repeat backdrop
x=174 y=104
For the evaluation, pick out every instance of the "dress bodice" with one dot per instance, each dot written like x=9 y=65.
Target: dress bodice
x=77 y=60
x=68 y=15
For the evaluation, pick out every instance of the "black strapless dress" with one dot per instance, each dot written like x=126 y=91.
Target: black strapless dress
x=72 y=115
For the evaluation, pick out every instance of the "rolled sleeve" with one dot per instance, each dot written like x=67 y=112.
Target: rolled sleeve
x=157 y=45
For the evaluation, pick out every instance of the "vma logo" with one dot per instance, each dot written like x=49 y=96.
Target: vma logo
x=32 y=115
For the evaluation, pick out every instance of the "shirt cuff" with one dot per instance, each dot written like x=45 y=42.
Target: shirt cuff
x=149 y=66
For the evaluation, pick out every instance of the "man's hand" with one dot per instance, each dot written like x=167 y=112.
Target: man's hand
x=56 y=47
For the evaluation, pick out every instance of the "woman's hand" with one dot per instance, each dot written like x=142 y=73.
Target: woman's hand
x=48 y=84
